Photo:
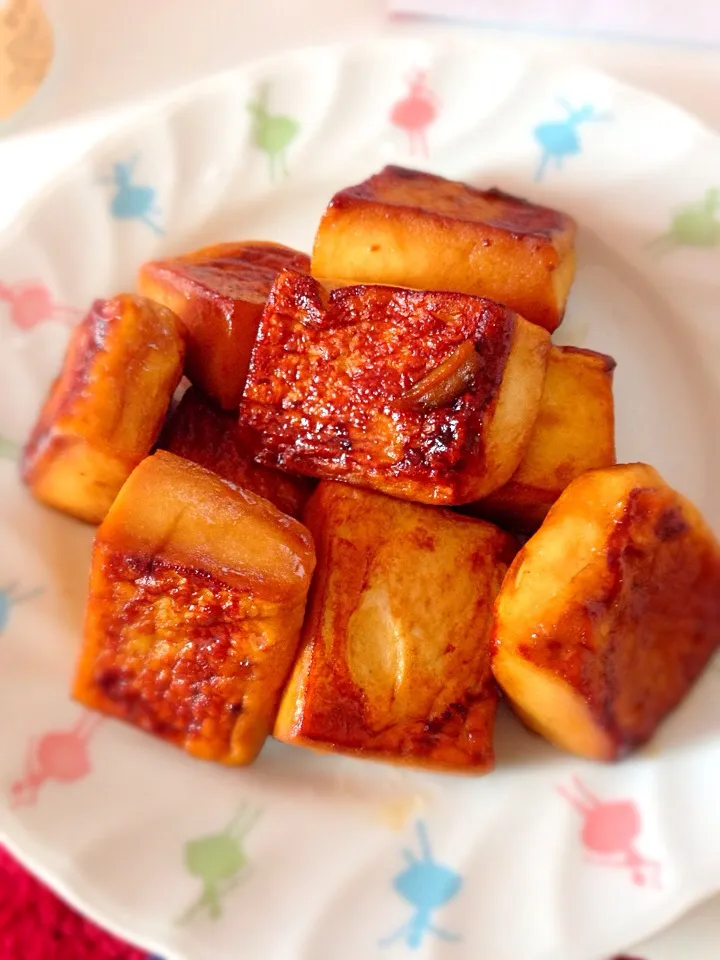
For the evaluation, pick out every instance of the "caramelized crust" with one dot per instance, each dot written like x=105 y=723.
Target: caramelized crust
x=426 y=396
x=419 y=230
x=199 y=431
x=574 y=432
x=395 y=661
x=197 y=593
x=219 y=293
x=105 y=409
x=609 y=613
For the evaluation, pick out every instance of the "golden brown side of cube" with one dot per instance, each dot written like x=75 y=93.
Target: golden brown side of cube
x=416 y=229
x=219 y=293
x=197 y=594
x=427 y=396
x=395 y=661
x=199 y=431
x=104 y=411
x=609 y=613
x=574 y=432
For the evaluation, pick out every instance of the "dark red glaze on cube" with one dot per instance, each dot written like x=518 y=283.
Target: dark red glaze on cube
x=330 y=371
x=452 y=200
x=199 y=431
x=219 y=293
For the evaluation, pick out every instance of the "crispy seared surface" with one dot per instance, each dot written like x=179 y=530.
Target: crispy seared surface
x=371 y=384
x=106 y=408
x=199 y=431
x=609 y=613
x=416 y=229
x=395 y=659
x=219 y=293
x=197 y=595
x=453 y=200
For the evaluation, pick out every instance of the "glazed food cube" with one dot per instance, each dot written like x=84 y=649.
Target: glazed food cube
x=426 y=396
x=609 y=613
x=197 y=593
x=395 y=658
x=104 y=411
x=199 y=431
x=219 y=293
x=419 y=230
x=574 y=432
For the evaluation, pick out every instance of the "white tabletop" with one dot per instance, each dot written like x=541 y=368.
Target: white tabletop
x=133 y=50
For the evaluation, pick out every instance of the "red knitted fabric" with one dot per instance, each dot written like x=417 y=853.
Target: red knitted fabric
x=36 y=925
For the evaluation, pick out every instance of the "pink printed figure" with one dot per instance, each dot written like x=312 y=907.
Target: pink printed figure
x=60 y=755
x=415 y=112
x=609 y=833
x=31 y=303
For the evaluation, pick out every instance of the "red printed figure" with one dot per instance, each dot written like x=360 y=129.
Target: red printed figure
x=61 y=755
x=31 y=303
x=609 y=834
x=415 y=112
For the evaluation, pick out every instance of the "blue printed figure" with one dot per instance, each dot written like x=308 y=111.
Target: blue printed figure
x=132 y=201
x=8 y=598
x=559 y=138
x=427 y=885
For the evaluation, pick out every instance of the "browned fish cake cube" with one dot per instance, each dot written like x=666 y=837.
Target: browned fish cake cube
x=104 y=411
x=609 y=613
x=395 y=659
x=197 y=593
x=219 y=293
x=574 y=432
x=427 y=396
x=199 y=431
x=419 y=230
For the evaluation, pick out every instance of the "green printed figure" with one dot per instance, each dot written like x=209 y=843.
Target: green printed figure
x=272 y=133
x=9 y=450
x=697 y=225
x=218 y=860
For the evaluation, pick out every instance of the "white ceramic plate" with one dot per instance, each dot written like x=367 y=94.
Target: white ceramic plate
x=319 y=857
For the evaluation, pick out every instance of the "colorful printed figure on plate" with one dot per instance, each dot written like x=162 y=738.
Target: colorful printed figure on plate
x=9 y=450
x=132 y=201
x=609 y=833
x=416 y=112
x=10 y=596
x=696 y=225
x=560 y=138
x=30 y=303
x=218 y=861
x=427 y=886
x=271 y=132
x=60 y=755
